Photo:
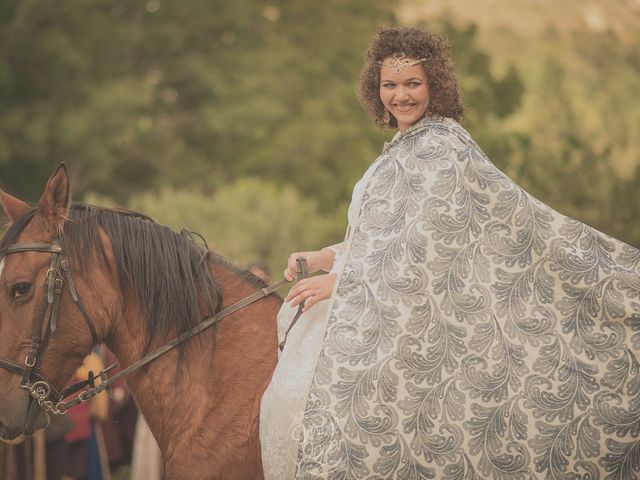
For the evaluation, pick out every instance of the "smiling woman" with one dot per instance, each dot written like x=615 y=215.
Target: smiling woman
x=465 y=329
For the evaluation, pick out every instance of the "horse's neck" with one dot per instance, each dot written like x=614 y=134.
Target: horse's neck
x=189 y=395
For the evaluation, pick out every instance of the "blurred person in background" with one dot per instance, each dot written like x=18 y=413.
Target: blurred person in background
x=86 y=456
x=119 y=427
x=146 y=461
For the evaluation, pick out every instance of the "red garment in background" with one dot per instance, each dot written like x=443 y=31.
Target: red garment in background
x=81 y=420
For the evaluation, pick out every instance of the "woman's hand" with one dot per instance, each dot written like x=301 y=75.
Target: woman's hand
x=312 y=290
x=318 y=260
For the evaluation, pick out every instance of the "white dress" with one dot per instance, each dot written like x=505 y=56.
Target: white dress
x=284 y=400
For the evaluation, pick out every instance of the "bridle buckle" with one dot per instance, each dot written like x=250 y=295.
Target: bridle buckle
x=30 y=360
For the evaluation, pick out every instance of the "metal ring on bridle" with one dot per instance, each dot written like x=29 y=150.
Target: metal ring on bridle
x=60 y=408
x=40 y=390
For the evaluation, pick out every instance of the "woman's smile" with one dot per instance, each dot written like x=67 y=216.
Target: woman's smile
x=406 y=107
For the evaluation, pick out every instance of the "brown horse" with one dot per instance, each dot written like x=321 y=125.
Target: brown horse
x=141 y=285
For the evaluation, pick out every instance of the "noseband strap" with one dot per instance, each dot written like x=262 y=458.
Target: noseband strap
x=19 y=369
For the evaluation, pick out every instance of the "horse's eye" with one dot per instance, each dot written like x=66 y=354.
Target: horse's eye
x=20 y=289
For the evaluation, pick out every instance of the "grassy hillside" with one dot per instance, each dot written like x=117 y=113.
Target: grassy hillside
x=531 y=18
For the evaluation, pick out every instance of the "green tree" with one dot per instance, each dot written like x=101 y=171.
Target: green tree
x=136 y=95
x=489 y=98
x=580 y=153
x=246 y=221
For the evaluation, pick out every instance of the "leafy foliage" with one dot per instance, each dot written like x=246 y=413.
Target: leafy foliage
x=137 y=95
x=249 y=220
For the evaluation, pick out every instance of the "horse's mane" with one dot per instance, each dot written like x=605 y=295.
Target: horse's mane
x=166 y=273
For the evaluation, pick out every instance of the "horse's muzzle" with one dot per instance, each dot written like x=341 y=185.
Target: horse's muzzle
x=19 y=418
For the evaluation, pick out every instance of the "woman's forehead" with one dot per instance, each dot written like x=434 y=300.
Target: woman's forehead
x=406 y=73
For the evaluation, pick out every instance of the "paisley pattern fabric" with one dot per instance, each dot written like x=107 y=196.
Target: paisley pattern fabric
x=474 y=333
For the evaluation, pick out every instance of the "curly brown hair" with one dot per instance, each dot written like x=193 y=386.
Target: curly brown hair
x=445 y=97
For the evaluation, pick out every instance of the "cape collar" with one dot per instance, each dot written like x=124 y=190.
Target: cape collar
x=414 y=129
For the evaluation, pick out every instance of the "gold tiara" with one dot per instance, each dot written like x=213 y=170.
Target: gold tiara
x=399 y=63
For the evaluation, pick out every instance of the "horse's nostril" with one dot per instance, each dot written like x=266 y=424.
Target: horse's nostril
x=16 y=441
x=10 y=437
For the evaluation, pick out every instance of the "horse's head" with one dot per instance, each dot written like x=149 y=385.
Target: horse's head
x=29 y=349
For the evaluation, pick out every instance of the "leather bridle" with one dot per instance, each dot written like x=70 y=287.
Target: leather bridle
x=46 y=322
x=47 y=397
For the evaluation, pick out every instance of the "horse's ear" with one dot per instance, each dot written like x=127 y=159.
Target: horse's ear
x=13 y=207
x=53 y=206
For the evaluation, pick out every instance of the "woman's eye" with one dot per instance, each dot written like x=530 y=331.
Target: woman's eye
x=20 y=289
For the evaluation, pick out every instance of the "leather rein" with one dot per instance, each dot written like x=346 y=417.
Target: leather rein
x=47 y=397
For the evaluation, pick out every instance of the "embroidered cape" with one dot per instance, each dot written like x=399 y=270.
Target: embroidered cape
x=474 y=331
